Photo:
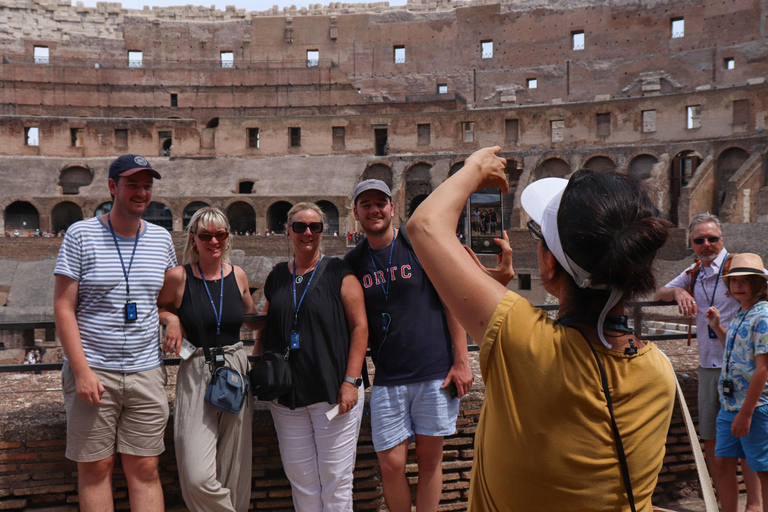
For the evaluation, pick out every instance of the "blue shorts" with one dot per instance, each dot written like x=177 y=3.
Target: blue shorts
x=753 y=446
x=399 y=412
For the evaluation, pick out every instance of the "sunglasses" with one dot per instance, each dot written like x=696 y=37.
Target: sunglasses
x=710 y=239
x=301 y=227
x=207 y=237
x=534 y=230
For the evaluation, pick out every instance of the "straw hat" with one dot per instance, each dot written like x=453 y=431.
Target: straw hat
x=746 y=264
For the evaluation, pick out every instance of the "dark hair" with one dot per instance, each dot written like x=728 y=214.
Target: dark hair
x=757 y=285
x=610 y=228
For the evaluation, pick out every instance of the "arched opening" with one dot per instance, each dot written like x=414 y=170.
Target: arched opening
x=102 y=209
x=683 y=168
x=158 y=213
x=21 y=215
x=727 y=164
x=417 y=185
x=190 y=210
x=73 y=177
x=331 y=215
x=553 y=168
x=378 y=172
x=64 y=215
x=213 y=123
x=415 y=202
x=242 y=218
x=641 y=166
x=277 y=216
x=600 y=163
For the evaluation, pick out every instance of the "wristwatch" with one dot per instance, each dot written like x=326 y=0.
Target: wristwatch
x=355 y=382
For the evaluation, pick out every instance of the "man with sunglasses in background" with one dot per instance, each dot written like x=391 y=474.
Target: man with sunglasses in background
x=420 y=352
x=107 y=278
x=697 y=289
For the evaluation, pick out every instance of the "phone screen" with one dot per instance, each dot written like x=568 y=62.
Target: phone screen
x=484 y=214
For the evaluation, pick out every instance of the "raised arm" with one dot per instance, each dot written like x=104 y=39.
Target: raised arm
x=469 y=292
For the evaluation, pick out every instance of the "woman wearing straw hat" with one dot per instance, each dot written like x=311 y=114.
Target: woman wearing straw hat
x=742 y=424
x=546 y=440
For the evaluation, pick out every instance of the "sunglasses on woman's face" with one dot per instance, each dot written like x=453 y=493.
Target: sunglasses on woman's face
x=301 y=227
x=534 y=230
x=207 y=237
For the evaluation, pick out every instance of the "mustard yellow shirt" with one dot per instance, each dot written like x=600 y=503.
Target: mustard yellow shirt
x=544 y=441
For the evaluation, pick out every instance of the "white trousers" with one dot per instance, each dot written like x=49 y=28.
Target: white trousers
x=213 y=447
x=318 y=455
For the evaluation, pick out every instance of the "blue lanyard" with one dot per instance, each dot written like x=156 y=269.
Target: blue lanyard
x=221 y=296
x=293 y=286
x=729 y=343
x=717 y=281
x=130 y=263
x=389 y=265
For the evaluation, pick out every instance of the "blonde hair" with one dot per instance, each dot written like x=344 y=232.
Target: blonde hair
x=206 y=216
x=298 y=207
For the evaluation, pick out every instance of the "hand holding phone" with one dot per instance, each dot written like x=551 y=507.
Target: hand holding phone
x=484 y=211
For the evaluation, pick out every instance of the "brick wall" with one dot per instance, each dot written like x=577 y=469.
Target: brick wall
x=35 y=475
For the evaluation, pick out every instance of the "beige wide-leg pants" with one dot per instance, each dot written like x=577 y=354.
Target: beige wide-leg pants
x=213 y=447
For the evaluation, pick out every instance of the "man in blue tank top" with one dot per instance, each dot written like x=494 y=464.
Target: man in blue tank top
x=108 y=275
x=419 y=349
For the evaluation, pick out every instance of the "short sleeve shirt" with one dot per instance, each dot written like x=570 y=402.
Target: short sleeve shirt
x=746 y=338
x=89 y=256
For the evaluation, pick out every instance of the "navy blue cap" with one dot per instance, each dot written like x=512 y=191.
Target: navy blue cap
x=131 y=164
x=371 y=184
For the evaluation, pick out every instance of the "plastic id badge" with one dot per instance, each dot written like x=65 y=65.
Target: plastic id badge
x=187 y=349
x=294 y=341
x=131 y=314
x=712 y=334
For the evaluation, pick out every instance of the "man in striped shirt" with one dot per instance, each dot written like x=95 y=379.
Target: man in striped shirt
x=108 y=275
x=709 y=290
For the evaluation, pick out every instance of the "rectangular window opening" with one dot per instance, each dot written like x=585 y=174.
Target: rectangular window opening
x=121 y=138
x=227 y=59
x=486 y=47
x=603 y=124
x=649 y=121
x=31 y=136
x=399 y=54
x=578 y=39
x=511 y=130
x=295 y=134
x=166 y=143
x=468 y=131
x=313 y=58
x=730 y=63
x=678 y=27
x=442 y=88
x=382 y=141
x=424 y=134
x=174 y=100
x=135 y=59
x=533 y=83
x=693 y=117
x=524 y=281
x=339 y=134
x=253 y=138
x=41 y=55
x=76 y=136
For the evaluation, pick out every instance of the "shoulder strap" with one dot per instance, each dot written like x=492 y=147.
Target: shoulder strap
x=401 y=232
x=192 y=287
x=727 y=263
x=319 y=272
x=694 y=273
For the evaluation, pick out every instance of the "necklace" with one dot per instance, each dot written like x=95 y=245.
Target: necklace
x=300 y=278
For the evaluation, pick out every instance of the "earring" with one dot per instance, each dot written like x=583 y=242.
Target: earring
x=194 y=248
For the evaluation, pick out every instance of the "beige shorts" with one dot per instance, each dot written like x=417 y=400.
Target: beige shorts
x=131 y=418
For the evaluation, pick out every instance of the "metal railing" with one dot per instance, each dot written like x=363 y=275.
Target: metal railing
x=636 y=307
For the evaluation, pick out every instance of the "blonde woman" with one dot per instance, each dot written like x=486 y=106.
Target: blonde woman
x=209 y=294
x=315 y=308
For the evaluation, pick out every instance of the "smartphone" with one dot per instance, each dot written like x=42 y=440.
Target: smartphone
x=485 y=220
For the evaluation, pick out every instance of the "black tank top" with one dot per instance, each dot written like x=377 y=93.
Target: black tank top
x=231 y=318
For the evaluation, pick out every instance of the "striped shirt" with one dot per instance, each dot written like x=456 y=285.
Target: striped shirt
x=89 y=256
x=710 y=349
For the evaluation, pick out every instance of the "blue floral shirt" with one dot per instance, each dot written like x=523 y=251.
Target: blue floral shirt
x=746 y=338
